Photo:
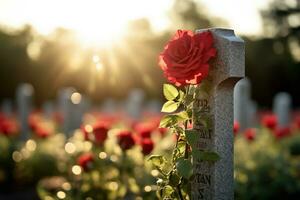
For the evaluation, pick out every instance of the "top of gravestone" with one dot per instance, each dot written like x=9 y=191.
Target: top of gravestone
x=230 y=61
x=25 y=89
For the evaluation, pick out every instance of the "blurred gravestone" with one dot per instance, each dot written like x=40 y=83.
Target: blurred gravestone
x=80 y=107
x=214 y=180
x=108 y=106
x=154 y=106
x=48 y=109
x=282 y=108
x=242 y=92
x=134 y=104
x=6 y=107
x=24 y=107
x=252 y=114
x=65 y=108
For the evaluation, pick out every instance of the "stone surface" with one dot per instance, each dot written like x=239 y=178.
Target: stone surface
x=242 y=101
x=24 y=97
x=7 y=107
x=215 y=180
x=282 y=104
x=134 y=104
x=65 y=107
x=48 y=109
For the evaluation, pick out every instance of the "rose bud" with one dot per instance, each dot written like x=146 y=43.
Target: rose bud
x=125 y=139
x=269 y=121
x=85 y=161
x=147 y=146
x=236 y=127
x=100 y=130
x=282 y=132
x=250 y=134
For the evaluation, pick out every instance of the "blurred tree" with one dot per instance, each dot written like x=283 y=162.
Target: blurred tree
x=272 y=61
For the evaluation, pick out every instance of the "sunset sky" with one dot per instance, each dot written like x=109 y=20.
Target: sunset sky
x=105 y=19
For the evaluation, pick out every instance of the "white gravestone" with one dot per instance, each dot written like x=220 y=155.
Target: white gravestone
x=282 y=108
x=24 y=107
x=241 y=99
x=214 y=180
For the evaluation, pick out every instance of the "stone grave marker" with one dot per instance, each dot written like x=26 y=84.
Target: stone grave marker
x=282 y=104
x=241 y=99
x=134 y=104
x=214 y=180
x=7 y=107
x=24 y=95
x=65 y=108
x=48 y=109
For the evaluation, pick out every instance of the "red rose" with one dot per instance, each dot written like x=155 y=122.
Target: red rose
x=162 y=131
x=85 y=131
x=147 y=146
x=186 y=56
x=8 y=127
x=282 y=132
x=250 y=134
x=297 y=122
x=125 y=139
x=236 y=127
x=144 y=130
x=42 y=132
x=85 y=161
x=100 y=130
x=270 y=121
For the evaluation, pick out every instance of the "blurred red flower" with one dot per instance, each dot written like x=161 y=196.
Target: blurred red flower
x=42 y=132
x=147 y=146
x=8 y=127
x=269 y=121
x=250 y=134
x=100 y=130
x=162 y=131
x=282 y=132
x=185 y=58
x=125 y=139
x=144 y=130
x=85 y=161
x=236 y=127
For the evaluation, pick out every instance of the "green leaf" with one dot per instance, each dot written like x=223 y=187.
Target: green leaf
x=157 y=161
x=170 y=106
x=183 y=115
x=174 y=179
x=170 y=92
x=191 y=137
x=181 y=147
x=167 y=121
x=205 y=155
x=184 y=168
x=181 y=96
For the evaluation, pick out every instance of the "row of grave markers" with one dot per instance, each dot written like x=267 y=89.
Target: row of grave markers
x=72 y=106
x=245 y=109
